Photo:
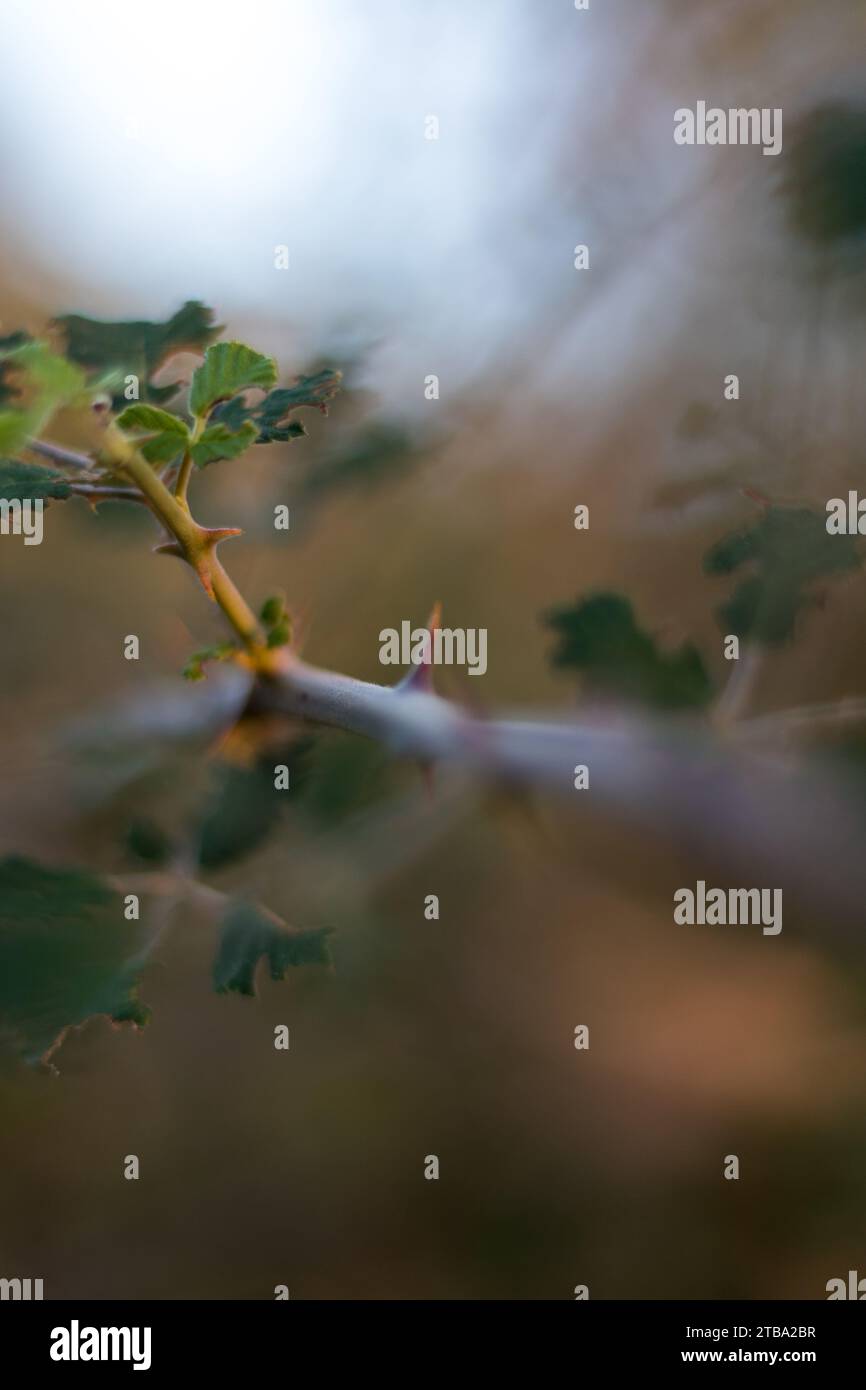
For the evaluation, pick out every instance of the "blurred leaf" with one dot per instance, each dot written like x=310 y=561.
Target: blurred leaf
x=251 y=934
x=787 y=550
x=244 y=805
x=7 y=344
x=227 y=369
x=148 y=841
x=49 y=382
x=138 y=346
x=599 y=637
x=220 y=442
x=824 y=174
x=347 y=775
x=23 y=480
x=67 y=953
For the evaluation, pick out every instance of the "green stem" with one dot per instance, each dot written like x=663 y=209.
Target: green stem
x=199 y=550
x=183 y=477
x=185 y=472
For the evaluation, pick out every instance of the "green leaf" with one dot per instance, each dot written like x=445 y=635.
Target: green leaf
x=270 y=415
x=227 y=369
x=167 y=434
x=194 y=669
x=150 y=419
x=49 y=382
x=30 y=480
x=67 y=953
x=786 y=553
x=251 y=934
x=599 y=637
x=138 y=346
x=277 y=621
x=220 y=442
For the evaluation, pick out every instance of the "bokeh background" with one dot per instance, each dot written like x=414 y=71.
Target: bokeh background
x=159 y=153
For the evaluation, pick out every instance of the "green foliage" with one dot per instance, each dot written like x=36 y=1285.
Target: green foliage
x=787 y=551
x=244 y=806
x=139 y=347
x=249 y=935
x=49 y=382
x=67 y=953
x=270 y=416
x=23 y=480
x=165 y=435
x=276 y=620
x=824 y=179
x=219 y=442
x=599 y=637
x=228 y=369
x=7 y=347
x=194 y=668
x=346 y=776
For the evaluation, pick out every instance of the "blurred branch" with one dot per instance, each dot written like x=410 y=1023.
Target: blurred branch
x=804 y=721
x=58 y=454
x=95 y=493
x=741 y=815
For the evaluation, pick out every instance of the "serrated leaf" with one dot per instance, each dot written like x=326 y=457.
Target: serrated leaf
x=168 y=435
x=788 y=551
x=316 y=391
x=219 y=442
x=600 y=638
x=250 y=935
x=227 y=369
x=270 y=416
x=30 y=480
x=67 y=953
x=139 y=346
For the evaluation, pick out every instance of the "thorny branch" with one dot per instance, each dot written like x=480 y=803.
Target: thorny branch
x=705 y=790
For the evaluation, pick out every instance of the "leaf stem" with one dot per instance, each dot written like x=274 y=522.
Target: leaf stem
x=185 y=471
x=183 y=477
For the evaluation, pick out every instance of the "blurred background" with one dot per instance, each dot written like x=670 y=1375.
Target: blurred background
x=157 y=154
